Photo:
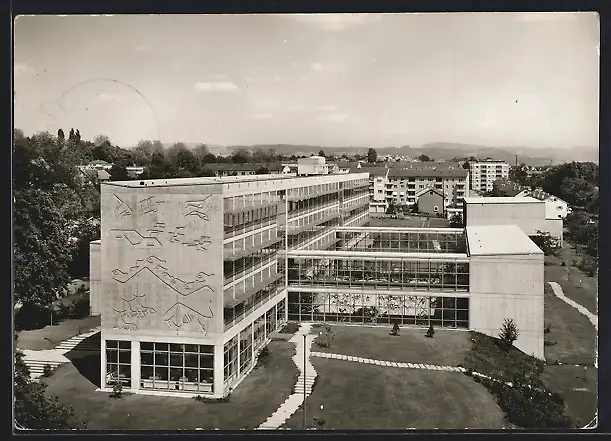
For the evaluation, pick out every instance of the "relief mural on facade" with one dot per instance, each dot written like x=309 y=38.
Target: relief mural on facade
x=162 y=254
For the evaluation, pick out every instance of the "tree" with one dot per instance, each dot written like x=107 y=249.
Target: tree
x=71 y=136
x=118 y=172
x=546 y=242
x=77 y=136
x=259 y=155
x=456 y=221
x=423 y=158
x=187 y=163
x=519 y=175
x=262 y=171
x=60 y=135
x=101 y=139
x=509 y=332
x=241 y=156
x=322 y=153
x=372 y=156
x=466 y=165
x=42 y=252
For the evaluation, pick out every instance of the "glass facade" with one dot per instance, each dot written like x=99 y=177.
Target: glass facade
x=118 y=362
x=401 y=274
x=402 y=241
x=423 y=310
x=177 y=367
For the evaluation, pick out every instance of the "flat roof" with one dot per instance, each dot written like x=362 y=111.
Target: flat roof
x=501 y=200
x=499 y=240
x=176 y=182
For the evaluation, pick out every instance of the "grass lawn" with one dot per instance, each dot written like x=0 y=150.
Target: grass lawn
x=362 y=396
x=573 y=333
x=486 y=356
x=578 y=386
x=411 y=346
x=254 y=400
x=576 y=285
x=52 y=335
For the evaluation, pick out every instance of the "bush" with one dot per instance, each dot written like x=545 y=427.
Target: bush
x=47 y=370
x=290 y=328
x=509 y=332
x=201 y=399
x=117 y=390
x=80 y=307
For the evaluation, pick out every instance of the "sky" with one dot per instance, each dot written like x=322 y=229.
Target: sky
x=375 y=80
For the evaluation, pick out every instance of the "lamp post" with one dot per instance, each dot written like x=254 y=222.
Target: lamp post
x=304 y=382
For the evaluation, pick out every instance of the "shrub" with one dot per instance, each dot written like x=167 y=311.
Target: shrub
x=117 y=389
x=47 y=370
x=509 y=332
x=80 y=307
x=202 y=399
x=290 y=328
x=430 y=332
x=263 y=357
x=395 y=328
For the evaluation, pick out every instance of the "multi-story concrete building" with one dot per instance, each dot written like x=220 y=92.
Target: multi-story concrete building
x=186 y=275
x=403 y=185
x=484 y=173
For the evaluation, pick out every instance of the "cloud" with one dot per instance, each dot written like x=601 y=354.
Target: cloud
x=325 y=68
x=215 y=86
x=143 y=48
x=327 y=108
x=335 y=22
x=108 y=98
x=332 y=117
x=22 y=68
x=276 y=79
x=218 y=76
x=263 y=116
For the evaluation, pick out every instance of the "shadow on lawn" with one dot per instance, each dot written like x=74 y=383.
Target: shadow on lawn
x=86 y=358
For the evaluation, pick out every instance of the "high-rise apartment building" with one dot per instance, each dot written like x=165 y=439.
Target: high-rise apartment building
x=403 y=185
x=484 y=173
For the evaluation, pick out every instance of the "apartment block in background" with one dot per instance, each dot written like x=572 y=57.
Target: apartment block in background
x=484 y=173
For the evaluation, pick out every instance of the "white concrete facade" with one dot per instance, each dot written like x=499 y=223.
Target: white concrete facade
x=484 y=173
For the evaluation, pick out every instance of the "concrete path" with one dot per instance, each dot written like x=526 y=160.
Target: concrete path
x=560 y=294
x=304 y=383
x=36 y=360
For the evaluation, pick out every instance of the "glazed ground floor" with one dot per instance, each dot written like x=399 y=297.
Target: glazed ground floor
x=186 y=366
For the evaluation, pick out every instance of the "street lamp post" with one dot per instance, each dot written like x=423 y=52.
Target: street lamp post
x=304 y=381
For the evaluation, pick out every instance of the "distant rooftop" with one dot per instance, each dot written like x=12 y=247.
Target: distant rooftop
x=500 y=200
x=442 y=172
x=498 y=240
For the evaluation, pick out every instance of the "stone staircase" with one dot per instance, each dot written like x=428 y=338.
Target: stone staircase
x=83 y=341
x=36 y=367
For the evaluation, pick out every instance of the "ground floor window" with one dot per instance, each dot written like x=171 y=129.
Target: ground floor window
x=280 y=311
x=449 y=312
x=231 y=360
x=118 y=362
x=245 y=348
x=259 y=332
x=182 y=367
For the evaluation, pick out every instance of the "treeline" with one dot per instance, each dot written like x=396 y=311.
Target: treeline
x=577 y=184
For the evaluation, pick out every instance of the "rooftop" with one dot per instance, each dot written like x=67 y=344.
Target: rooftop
x=177 y=182
x=499 y=240
x=428 y=173
x=501 y=200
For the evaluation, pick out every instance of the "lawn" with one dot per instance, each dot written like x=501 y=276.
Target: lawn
x=578 y=386
x=362 y=396
x=253 y=401
x=52 y=335
x=574 y=335
x=576 y=285
x=487 y=357
x=447 y=348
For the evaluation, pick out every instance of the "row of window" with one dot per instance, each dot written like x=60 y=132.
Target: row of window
x=255 y=215
x=379 y=309
x=234 y=269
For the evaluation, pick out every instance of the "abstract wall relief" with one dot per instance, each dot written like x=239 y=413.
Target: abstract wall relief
x=200 y=208
x=155 y=266
x=180 y=314
x=135 y=238
x=133 y=308
x=122 y=209
x=148 y=206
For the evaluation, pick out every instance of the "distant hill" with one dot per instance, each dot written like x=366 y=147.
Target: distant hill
x=447 y=151
x=436 y=150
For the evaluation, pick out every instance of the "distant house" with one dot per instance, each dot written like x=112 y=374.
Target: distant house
x=103 y=175
x=134 y=171
x=431 y=201
x=555 y=208
x=221 y=170
x=93 y=174
x=98 y=164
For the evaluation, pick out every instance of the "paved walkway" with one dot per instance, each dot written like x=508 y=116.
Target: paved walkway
x=430 y=367
x=304 y=383
x=36 y=360
x=560 y=294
